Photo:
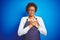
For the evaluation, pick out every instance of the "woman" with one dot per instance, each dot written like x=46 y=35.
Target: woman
x=31 y=26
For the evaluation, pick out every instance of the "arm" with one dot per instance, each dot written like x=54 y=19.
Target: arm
x=42 y=28
x=22 y=30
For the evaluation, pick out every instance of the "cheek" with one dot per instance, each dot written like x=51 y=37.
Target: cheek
x=32 y=11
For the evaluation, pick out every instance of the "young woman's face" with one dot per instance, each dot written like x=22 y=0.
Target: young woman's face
x=31 y=11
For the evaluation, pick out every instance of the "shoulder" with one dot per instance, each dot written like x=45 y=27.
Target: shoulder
x=38 y=17
x=24 y=18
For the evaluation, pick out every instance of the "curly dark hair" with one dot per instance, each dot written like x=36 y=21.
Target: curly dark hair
x=29 y=5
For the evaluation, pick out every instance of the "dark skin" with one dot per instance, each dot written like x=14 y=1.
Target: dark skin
x=31 y=11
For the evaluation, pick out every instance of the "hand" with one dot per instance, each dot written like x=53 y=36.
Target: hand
x=30 y=26
x=34 y=23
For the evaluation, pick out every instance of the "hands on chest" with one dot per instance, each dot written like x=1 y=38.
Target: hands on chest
x=33 y=23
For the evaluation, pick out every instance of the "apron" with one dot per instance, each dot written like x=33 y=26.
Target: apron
x=32 y=34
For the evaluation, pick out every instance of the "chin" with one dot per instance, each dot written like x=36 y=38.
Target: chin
x=31 y=15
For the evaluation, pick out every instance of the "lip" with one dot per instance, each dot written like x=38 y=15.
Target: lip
x=31 y=13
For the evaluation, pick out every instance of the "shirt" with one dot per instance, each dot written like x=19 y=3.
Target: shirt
x=22 y=30
x=32 y=34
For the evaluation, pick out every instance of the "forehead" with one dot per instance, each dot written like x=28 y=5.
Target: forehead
x=31 y=7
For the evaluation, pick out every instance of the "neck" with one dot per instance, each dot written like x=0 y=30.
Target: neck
x=31 y=16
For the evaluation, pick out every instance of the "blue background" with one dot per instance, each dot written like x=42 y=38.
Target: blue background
x=13 y=10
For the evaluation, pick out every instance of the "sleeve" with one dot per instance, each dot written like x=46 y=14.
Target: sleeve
x=22 y=30
x=42 y=28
